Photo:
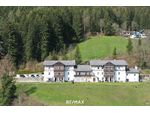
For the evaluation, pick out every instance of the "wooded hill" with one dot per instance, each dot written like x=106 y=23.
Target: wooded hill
x=32 y=33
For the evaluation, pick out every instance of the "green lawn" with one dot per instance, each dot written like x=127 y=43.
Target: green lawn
x=97 y=94
x=102 y=46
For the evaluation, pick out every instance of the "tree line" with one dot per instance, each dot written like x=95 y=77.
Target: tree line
x=32 y=33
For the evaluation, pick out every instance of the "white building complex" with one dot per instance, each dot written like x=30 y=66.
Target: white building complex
x=95 y=71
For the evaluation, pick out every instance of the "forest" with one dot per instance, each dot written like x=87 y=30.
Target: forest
x=33 y=33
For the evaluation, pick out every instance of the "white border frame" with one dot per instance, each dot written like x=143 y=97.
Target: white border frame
x=74 y=2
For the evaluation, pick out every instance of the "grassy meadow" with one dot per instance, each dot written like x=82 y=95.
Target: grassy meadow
x=93 y=94
x=101 y=47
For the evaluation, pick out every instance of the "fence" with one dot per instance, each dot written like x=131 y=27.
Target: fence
x=29 y=77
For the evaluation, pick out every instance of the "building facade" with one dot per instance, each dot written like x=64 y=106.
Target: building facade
x=109 y=70
x=84 y=73
x=95 y=71
x=59 y=70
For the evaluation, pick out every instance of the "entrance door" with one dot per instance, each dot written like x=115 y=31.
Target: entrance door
x=106 y=79
x=93 y=79
x=127 y=80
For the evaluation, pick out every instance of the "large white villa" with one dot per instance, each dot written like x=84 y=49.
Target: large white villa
x=95 y=71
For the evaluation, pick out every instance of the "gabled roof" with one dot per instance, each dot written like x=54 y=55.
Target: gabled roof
x=103 y=62
x=65 y=62
x=83 y=68
x=133 y=70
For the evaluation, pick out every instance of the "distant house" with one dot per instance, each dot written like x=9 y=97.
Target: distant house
x=137 y=34
x=134 y=34
x=144 y=77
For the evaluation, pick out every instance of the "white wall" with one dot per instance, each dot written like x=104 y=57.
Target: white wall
x=84 y=79
x=120 y=76
x=133 y=77
x=69 y=73
x=48 y=72
x=120 y=73
x=98 y=72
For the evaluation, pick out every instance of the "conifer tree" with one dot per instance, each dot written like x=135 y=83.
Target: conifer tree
x=139 y=41
x=108 y=29
x=78 y=26
x=29 y=43
x=8 y=88
x=78 y=55
x=13 y=44
x=59 y=33
x=129 y=46
x=44 y=43
x=115 y=53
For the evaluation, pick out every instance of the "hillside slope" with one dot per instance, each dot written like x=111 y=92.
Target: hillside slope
x=102 y=46
x=110 y=94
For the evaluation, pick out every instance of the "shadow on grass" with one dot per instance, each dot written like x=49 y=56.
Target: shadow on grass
x=31 y=90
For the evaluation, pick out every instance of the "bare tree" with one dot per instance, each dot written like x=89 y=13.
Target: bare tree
x=6 y=66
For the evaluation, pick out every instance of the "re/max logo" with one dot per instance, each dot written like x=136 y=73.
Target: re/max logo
x=74 y=101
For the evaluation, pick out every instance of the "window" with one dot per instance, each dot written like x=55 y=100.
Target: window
x=49 y=73
x=134 y=74
x=102 y=78
x=97 y=73
x=119 y=78
x=102 y=73
x=118 y=73
x=68 y=73
x=97 y=67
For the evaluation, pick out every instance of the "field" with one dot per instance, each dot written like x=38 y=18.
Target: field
x=97 y=94
x=102 y=46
